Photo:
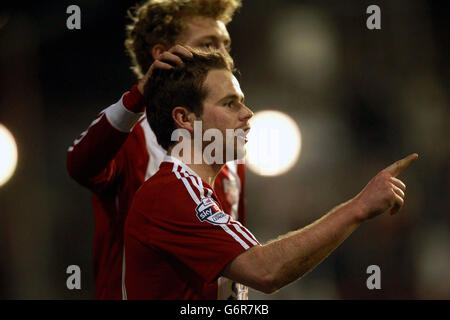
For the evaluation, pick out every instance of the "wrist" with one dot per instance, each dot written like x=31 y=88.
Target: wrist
x=134 y=100
x=359 y=210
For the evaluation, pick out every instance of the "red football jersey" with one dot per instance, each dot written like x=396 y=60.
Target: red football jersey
x=178 y=239
x=113 y=158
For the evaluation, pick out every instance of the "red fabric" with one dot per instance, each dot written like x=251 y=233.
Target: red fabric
x=91 y=156
x=113 y=164
x=113 y=189
x=242 y=206
x=170 y=253
x=133 y=100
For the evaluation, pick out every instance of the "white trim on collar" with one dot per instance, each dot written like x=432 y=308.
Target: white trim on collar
x=169 y=158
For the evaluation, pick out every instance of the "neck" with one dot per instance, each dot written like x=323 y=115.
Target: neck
x=207 y=172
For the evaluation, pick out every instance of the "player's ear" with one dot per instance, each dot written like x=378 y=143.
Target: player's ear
x=184 y=118
x=157 y=50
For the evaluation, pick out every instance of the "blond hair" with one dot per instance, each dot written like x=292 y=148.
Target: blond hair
x=163 y=21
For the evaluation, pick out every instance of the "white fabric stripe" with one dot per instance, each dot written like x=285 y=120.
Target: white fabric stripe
x=97 y=120
x=200 y=183
x=246 y=236
x=235 y=181
x=232 y=169
x=209 y=190
x=246 y=230
x=175 y=170
x=197 y=201
x=186 y=184
x=235 y=236
x=124 y=290
x=121 y=118
x=155 y=151
x=191 y=192
x=198 y=186
x=202 y=193
x=203 y=188
x=83 y=134
x=197 y=181
x=180 y=163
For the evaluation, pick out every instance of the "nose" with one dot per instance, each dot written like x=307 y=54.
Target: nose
x=247 y=113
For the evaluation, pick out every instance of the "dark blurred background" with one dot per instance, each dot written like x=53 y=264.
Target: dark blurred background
x=362 y=99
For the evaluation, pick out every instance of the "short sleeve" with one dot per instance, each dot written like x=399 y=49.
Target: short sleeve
x=193 y=228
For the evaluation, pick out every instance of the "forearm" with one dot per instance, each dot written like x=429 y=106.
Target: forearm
x=278 y=263
x=94 y=150
x=293 y=255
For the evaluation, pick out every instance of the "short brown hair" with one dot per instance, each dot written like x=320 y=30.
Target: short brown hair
x=180 y=86
x=163 y=21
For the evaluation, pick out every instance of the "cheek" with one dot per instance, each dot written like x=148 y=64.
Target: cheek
x=216 y=120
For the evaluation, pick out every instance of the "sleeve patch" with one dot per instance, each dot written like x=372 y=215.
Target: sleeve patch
x=208 y=210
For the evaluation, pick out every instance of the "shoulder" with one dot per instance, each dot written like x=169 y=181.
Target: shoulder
x=168 y=191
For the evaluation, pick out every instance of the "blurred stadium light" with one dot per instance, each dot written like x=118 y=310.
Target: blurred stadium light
x=8 y=152
x=274 y=143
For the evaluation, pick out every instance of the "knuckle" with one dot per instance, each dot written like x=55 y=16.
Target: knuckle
x=165 y=54
x=383 y=175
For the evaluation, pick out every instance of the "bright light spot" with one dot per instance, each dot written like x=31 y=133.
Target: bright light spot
x=8 y=155
x=274 y=143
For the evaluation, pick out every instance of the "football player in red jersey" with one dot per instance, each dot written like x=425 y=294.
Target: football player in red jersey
x=179 y=240
x=119 y=151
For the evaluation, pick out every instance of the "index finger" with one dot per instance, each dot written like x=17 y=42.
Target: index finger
x=397 y=167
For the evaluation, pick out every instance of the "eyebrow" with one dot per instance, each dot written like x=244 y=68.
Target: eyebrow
x=226 y=40
x=232 y=97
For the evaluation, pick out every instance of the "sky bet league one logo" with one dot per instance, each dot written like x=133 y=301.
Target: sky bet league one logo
x=209 y=210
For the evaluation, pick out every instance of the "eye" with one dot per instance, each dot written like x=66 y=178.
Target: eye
x=208 y=45
x=228 y=104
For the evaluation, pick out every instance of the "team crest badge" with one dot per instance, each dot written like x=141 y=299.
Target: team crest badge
x=208 y=210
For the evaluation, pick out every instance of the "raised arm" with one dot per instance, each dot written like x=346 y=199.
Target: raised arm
x=270 y=267
x=92 y=158
x=92 y=154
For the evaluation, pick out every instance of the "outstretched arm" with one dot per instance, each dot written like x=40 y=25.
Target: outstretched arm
x=269 y=267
